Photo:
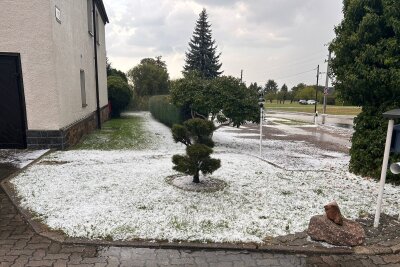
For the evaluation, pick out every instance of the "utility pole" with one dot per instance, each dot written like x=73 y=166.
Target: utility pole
x=316 y=92
x=326 y=86
x=241 y=75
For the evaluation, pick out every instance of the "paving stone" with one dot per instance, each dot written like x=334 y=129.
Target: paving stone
x=391 y=258
x=221 y=264
x=56 y=256
x=40 y=263
x=60 y=263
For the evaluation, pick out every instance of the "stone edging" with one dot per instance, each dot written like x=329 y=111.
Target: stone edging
x=57 y=236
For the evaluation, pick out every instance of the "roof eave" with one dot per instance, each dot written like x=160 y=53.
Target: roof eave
x=102 y=10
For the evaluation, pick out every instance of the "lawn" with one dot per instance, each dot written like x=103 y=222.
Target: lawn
x=124 y=194
x=119 y=133
x=296 y=107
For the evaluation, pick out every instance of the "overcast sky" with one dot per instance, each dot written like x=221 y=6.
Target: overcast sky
x=268 y=39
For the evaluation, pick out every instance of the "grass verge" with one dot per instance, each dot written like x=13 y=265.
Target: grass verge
x=116 y=134
x=296 y=107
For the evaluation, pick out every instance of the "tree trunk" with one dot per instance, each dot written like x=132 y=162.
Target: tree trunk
x=196 y=178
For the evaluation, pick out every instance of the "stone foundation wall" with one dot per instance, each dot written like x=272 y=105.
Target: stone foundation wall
x=67 y=136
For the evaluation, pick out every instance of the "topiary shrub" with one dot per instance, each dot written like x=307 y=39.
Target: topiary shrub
x=368 y=143
x=119 y=94
x=196 y=135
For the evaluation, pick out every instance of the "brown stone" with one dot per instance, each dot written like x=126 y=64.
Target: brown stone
x=333 y=213
x=350 y=233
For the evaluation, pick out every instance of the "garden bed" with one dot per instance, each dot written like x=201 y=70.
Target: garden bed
x=123 y=194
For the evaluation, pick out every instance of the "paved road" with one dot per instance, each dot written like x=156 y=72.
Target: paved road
x=334 y=120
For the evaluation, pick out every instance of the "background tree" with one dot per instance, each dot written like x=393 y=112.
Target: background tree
x=196 y=135
x=202 y=55
x=366 y=69
x=150 y=77
x=307 y=93
x=255 y=87
x=284 y=93
x=270 y=90
x=114 y=72
x=119 y=94
x=294 y=91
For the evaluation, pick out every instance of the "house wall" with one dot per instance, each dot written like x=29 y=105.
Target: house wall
x=25 y=29
x=73 y=51
x=52 y=55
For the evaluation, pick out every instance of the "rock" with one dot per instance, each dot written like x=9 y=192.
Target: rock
x=350 y=233
x=333 y=213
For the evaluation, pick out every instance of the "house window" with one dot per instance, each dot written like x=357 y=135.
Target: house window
x=90 y=16
x=83 y=89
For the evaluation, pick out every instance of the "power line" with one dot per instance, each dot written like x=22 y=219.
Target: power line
x=289 y=76
x=303 y=60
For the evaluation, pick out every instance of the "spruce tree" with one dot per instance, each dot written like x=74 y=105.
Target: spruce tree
x=202 y=56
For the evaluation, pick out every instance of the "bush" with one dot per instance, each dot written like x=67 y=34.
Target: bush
x=196 y=135
x=139 y=103
x=368 y=143
x=164 y=111
x=119 y=94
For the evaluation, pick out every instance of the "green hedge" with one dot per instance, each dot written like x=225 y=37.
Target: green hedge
x=368 y=143
x=164 y=111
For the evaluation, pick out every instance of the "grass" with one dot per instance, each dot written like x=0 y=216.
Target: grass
x=296 y=107
x=116 y=134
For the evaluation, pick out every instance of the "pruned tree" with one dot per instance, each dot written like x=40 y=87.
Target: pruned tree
x=196 y=135
x=224 y=98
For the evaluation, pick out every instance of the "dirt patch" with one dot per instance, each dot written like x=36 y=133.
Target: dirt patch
x=207 y=185
x=52 y=162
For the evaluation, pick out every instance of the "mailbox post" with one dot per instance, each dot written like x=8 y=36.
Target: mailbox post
x=391 y=115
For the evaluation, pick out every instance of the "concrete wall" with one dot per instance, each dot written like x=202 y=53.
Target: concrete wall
x=26 y=29
x=52 y=56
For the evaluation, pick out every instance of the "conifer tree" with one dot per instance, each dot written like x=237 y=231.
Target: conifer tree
x=202 y=56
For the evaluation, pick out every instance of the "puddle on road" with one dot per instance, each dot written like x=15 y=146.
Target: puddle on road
x=341 y=125
x=324 y=137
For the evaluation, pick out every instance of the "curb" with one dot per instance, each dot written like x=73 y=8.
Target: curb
x=59 y=237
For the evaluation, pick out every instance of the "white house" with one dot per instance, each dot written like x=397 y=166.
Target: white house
x=53 y=83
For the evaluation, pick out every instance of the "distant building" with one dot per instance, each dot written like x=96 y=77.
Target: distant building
x=48 y=92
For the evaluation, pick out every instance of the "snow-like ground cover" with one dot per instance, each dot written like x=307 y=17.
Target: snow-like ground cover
x=124 y=195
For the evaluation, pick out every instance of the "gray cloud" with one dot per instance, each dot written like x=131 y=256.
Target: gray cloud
x=263 y=37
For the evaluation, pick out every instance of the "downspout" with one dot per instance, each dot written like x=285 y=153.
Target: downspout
x=96 y=66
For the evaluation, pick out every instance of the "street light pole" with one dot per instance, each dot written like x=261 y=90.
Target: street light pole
x=261 y=129
x=316 y=91
x=327 y=80
x=261 y=104
x=316 y=97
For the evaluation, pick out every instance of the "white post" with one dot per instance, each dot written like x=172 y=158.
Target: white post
x=261 y=129
x=383 y=172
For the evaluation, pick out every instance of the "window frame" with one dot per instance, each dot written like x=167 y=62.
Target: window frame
x=90 y=17
x=82 y=78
